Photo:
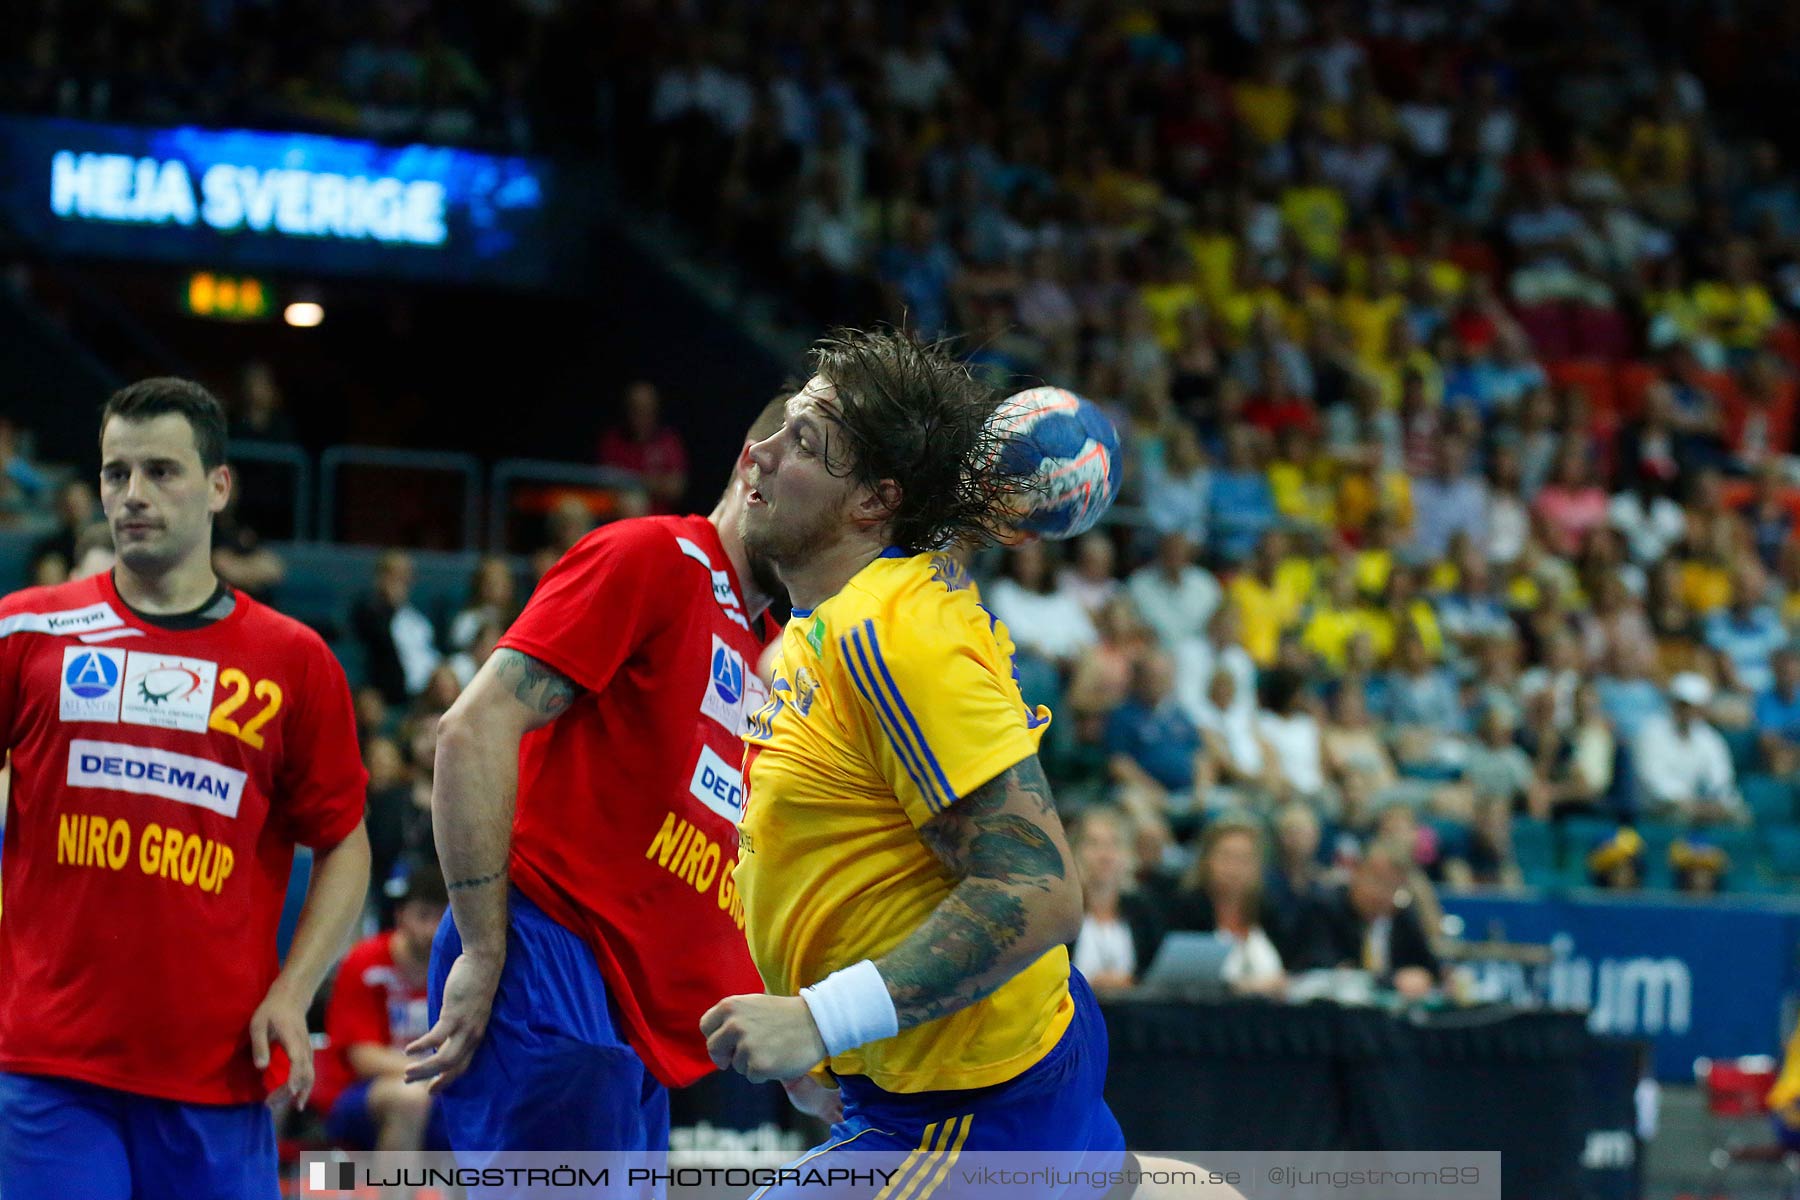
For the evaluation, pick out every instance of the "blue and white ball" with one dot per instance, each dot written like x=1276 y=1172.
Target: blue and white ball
x=1070 y=451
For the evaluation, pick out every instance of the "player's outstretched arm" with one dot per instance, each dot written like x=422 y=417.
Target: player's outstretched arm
x=474 y=786
x=1016 y=897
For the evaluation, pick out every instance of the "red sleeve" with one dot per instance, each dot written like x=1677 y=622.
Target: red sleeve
x=323 y=782
x=357 y=1015
x=11 y=649
x=601 y=601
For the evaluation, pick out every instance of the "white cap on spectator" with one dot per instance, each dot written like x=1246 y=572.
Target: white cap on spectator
x=1690 y=687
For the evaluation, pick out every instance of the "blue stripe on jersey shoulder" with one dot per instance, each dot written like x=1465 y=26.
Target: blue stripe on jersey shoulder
x=893 y=689
x=863 y=676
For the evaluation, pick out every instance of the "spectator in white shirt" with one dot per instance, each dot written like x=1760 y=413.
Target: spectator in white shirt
x=1289 y=728
x=1241 y=757
x=1649 y=520
x=1197 y=660
x=827 y=234
x=916 y=72
x=1042 y=620
x=1683 y=766
x=1508 y=518
x=1175 y=595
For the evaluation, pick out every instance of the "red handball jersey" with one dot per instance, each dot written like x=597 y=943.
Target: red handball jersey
x=372 y=1003
x=625 y=830
x=160 y=781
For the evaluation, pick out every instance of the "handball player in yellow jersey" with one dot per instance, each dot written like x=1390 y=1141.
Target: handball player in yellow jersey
x=908 y=890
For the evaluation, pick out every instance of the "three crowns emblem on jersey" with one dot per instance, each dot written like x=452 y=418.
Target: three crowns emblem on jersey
x=806 y=686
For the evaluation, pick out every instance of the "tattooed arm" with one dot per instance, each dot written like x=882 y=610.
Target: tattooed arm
x=1016 y=897
x=475 y=783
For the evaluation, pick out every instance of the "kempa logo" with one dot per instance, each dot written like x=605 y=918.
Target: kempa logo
x=82 y=621
x=61 y=624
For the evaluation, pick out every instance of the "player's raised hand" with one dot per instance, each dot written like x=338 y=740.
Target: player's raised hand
x=814 y=1099
x=763 y=1037
x=282 y=1018
x=462 y=1021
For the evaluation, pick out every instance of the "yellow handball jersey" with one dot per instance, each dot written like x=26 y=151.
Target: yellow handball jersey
x=891 y=701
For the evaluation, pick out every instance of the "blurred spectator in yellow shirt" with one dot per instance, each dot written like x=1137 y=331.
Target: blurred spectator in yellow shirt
x=1169 y=296
x=1316 y=212
x=1265 y=105
x=1404 y=613
x=1340 y=617
x=1369 y=315
x=1737 y=310
x=1266 y=602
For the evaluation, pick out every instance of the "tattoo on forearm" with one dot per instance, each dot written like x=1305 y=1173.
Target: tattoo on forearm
x=996 y=842
x=477 y=881
x=539 y=687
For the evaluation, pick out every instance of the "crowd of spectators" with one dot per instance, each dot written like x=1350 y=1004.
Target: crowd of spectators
x=462 y=74
x=1450 y=347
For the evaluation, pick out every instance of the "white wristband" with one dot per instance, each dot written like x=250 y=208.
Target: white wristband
x=852 y=1007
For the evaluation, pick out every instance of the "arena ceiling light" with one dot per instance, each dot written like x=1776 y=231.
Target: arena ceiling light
x=303 y=314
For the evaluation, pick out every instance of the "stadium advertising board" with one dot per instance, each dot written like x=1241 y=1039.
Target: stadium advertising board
x=245 y=200
x=1696 y=979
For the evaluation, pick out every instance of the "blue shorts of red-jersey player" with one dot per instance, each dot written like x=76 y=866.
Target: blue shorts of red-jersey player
x=60 y=1138
x=553 y=1071
x=910 y=1144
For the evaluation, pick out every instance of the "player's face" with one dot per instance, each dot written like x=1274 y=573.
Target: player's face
x=797 y=504
x=158 y=499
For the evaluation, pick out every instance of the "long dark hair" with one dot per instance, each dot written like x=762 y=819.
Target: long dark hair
x=913 y=414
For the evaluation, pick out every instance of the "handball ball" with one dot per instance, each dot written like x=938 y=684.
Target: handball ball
x=1070 y=451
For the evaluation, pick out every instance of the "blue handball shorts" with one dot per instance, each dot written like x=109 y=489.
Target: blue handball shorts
x=553 y=1072
x=61 y=1139
x=915 y=1142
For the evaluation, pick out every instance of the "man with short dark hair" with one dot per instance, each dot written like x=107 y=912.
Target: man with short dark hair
x=1367 y=924
x=172 y=741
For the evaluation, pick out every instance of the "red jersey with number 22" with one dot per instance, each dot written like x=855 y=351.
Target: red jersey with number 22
x=625 y=831
x=160 y=781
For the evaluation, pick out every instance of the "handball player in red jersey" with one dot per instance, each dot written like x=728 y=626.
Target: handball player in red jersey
x=585 y=809
x=172 y=741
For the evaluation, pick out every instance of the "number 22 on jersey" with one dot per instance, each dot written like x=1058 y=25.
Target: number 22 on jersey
x=237 y=684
